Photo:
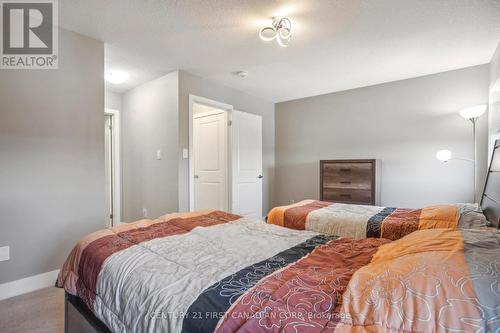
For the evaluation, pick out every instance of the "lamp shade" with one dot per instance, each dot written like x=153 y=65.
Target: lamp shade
x=444 y=155
x=473 y=111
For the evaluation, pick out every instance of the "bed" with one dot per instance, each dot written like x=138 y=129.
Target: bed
x=214 y=271
x=362 y=221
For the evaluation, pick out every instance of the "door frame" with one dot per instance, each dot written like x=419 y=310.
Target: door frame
x=194 y=99
x=116 y=165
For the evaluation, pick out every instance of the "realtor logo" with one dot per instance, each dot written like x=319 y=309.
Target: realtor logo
x=29 y=34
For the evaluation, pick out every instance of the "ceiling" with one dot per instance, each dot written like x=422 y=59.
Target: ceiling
x=336 y=44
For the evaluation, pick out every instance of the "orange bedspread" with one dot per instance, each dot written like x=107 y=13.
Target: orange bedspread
x=430 y=281
x=359 y=221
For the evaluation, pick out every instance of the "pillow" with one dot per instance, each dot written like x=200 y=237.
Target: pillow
x=471 y=216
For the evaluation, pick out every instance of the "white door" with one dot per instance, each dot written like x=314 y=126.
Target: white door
x=246 y=161
x=210 y=161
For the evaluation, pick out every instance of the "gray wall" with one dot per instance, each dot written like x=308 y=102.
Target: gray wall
x=112 y=100
x=51 y=157
x=190 y=84
x=401 y=123
x=150 y=122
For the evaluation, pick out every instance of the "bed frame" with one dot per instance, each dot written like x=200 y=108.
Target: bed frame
x=79 y=319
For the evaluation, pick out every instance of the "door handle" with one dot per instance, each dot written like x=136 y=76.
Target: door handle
x=260 y=176
x=196 y=177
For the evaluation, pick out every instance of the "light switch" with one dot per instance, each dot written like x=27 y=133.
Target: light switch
x=158 y=154
x=4 y=253
x=185 y=153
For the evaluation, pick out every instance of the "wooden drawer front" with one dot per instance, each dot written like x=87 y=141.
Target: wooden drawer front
x=347 y=175
x=347 y=195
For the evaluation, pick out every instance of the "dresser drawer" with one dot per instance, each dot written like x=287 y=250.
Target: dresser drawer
x=347 y=195
x=349 y=181
x=357 y=175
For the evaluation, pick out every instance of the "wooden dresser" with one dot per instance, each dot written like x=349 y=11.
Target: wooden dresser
x=348 y=181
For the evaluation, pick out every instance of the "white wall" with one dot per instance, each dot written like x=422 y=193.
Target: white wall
x=494 y=102
x=190 y=84
x=401 y=123
x=113 y=100
x=51 y=157
x=149 y=121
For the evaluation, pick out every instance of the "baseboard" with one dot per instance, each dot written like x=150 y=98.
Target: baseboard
x=26 y=285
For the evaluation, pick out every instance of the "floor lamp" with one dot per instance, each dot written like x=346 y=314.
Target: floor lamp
x=471 y=114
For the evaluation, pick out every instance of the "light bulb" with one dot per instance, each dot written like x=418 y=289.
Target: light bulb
x=444 y=155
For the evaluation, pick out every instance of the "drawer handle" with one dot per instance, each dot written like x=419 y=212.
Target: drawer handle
x=345 y=195
x=345 y=182
x=345 y=169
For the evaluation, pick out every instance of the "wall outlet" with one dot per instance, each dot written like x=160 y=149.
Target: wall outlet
x=185 y=153
x=292 y=201
x=144 y=212
x=158 y=154
x=4 y=253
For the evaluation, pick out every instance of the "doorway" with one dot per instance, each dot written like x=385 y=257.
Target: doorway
x=112 y=167
x=225 y=158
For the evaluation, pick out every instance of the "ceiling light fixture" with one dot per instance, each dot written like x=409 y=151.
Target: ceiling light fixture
x=280 y=29
x=116 y=77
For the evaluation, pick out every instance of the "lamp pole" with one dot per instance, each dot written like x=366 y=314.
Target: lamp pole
x=473 y=121
x=471 y=113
